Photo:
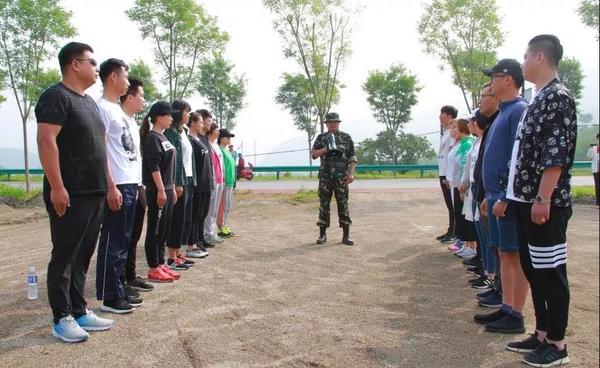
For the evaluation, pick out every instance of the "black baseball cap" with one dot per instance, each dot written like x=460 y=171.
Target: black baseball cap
x=224 y=133
x=509 y=67
x=161 y=108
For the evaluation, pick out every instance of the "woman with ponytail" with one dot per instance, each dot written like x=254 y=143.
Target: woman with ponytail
x=158 y=169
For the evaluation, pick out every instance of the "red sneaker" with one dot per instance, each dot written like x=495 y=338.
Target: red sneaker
x=170 y=272
x=157 y=275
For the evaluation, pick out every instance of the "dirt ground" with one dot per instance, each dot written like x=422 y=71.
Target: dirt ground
x=269 y=297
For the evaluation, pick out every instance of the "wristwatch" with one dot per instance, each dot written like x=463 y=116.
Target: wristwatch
x=541 y=200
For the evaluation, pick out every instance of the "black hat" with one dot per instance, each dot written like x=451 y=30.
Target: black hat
x=224 y=133
x=161 y=108
x=332 y=116
x=509 y=67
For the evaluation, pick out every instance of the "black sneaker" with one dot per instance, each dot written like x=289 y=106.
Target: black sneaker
x=441 y=236
x=207 y=245
x=483 y=283
x=201 y=247
x=448 y=239
x=477 y=279
x=484 y=294
x=494 y=300
x=177 y=266
x=140 y=284
x=474 y=269
x=186 y=261
x=525 y=346
x=118 y=306
x=130 y=290
x=472 y=262
x=489 y=317
x=546 y=355
x=508 y=325
x=134 y=301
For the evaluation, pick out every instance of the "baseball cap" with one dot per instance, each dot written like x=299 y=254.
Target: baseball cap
x=509 y=67
x=161 y=108
x=224 y=133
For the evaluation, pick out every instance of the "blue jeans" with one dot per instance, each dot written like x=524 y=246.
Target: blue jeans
x=115 y=236
x=488 y=254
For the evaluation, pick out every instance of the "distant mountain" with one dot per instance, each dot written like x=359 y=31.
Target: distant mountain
x=11 y=158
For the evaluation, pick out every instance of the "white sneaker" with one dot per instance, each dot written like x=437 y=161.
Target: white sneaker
x=195 y=253
x=91 y=322
x=468 y=253
x=68 y=330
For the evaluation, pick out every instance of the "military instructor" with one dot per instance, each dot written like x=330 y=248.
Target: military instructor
x=338 y=162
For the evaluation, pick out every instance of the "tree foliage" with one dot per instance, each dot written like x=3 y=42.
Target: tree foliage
x=464 y=34
x=182 y=35
x=571 y=74
x=588 y=11
x=224 y=91
x=316 y=35
x=29 y=34
x=413 y=148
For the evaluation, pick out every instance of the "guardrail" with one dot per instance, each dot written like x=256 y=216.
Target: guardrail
x=283 y=169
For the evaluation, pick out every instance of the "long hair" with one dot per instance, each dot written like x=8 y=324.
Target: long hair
x=180 y=106
x=144 y=130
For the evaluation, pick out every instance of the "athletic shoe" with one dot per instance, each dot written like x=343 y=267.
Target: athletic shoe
x=472 y=262
x=485 y=294
x=68 y=330
x=546 y=355
x=195 y=253
x=448 y=239
x=462 y=249
x=468 y=253
x=157 y=275
x=483 y=319
x=213 y=240
x=200 y=246
x=140 y=284
x=118 y=306
x=206 y=244
x=474 y=269
x=91 y=322
x=454 y=247
x=508 y=325
x=176 y=265
x=181 y=259
x=228 y=230
x=169 y=272
x=494 y=300
x=134 y=301
x=477 y=279
x=439 y=238
x=130 y=291
x=525 y=346
x=483 y=283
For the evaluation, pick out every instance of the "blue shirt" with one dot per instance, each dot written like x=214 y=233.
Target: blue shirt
x=498 y=148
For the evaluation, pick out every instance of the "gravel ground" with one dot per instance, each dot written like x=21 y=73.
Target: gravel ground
x=269 y=297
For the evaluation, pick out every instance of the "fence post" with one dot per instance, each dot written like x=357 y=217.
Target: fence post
x=421 y=173
x=277 y=174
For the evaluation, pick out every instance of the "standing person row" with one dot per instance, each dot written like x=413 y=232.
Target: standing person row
x=447 y=115
x=210 y=224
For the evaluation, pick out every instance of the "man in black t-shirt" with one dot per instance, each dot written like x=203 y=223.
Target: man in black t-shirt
x=72 y=151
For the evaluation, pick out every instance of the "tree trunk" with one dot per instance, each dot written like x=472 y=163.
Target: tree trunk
x=25 y=149
x=309 y=157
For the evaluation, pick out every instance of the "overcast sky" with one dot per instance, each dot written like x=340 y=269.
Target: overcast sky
x=384 y=34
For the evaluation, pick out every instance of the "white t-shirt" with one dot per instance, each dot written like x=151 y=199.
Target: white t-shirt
x=445 y=145
x=186 y=154
x=135 y=134
x=453 y=172
x=121 y=146
x=593 y=156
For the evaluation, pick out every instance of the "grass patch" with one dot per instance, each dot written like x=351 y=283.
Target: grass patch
x=583 y=191
x=304 y=196
x=21 y=178
x=17 y=193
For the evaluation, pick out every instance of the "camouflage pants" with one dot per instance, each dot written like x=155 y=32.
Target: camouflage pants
x=327 y=188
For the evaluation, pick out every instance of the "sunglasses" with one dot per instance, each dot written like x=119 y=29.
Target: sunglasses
x=92 y=61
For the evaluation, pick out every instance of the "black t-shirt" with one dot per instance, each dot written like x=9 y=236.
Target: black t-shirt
x=158 y=155
x=203 y=164
x=81 y=141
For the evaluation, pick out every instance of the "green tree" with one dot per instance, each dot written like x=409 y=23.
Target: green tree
x=29 y=34
x=392 y=93
x=2 y=85
x=316 y=35
x=142 y=71
x=413 y=148
x=182 y=34
x=224 y=91
x=588 y=11
x=464 y=34
x=571 y=74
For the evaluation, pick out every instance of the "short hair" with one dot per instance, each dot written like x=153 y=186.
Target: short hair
x=204 y=113
x=550 y=46
x=70 y=52
x=461 y=125
x=134 y=84
x=449 y=110
x=110 y=66
x=212 y=128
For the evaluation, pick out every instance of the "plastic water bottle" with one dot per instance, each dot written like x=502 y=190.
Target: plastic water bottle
x=32 y=284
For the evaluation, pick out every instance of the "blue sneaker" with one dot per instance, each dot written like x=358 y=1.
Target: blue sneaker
x=68 y=330
x=494 y=300
x=91 y=322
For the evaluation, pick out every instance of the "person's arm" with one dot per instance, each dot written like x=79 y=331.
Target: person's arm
x=318 y=149
x=173 y=136
x=351 y=162
x=48 y=152
x=114 y=198
x=161 y=198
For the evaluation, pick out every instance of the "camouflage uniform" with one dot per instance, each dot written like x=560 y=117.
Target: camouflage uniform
x=332 y=173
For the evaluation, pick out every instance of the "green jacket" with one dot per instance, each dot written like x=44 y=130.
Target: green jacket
x=173 y=136
x=229 y=163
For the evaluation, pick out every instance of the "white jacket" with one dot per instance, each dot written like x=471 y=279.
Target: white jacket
x=592 y=155
x=445 y=144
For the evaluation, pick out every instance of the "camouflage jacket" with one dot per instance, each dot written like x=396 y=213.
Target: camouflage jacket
x=331 y=165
